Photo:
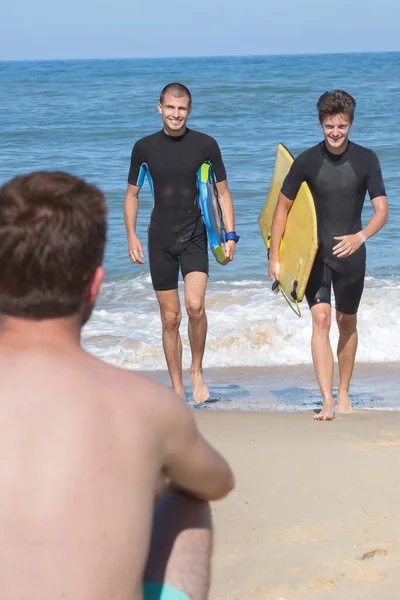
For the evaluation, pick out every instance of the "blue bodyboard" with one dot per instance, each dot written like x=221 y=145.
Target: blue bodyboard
x=211 y=211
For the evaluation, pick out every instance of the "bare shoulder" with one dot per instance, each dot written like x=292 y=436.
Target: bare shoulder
x=163 y=431
x=135 y=392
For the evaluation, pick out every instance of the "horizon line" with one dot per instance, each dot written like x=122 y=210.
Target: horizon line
x=200 y=56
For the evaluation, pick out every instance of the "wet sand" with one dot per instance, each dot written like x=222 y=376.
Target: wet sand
x=316 y=510
x=292 y=388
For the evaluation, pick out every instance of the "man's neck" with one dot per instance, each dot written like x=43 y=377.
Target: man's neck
x=178 y=133
x=337 y=151
x=50 y=332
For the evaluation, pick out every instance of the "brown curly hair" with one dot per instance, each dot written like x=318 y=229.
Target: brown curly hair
x=336 y=103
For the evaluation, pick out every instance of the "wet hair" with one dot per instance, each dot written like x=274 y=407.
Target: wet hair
x=178 y=90
x=336 y=103
x=52 y=239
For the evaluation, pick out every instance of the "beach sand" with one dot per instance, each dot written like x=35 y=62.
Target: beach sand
x=316 y=509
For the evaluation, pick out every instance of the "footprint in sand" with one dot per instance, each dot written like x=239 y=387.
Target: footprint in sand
x=374 y=553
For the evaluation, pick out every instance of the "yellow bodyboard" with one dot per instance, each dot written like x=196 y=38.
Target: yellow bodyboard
x=300 y=240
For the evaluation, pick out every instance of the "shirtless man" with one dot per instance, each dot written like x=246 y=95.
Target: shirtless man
x=177 y=235
x=339 y=174
x=87 y=448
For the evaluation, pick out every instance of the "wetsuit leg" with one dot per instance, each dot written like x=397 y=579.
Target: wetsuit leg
x=164 y=264
x=318 y=289
x=194 y=255
x=348 y=281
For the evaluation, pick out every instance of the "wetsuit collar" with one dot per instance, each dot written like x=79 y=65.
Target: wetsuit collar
x=335 y=158
x=175 y=138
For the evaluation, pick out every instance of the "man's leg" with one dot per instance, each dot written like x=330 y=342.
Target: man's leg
x=348 y=291
x=181 y=545
x=346 y=353
x=195 y=290
x=323 y=358
x=171 y=316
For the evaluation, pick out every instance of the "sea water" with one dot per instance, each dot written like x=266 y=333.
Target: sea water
x=84 y=117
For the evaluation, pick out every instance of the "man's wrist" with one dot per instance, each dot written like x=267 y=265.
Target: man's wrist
x=231 y=236
x=362 y=236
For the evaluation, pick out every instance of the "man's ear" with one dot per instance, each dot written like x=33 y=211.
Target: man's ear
x=93 y=288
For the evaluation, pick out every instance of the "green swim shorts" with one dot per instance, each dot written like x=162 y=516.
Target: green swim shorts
x=161 y=591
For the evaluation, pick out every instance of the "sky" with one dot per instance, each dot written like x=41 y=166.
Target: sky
x=45 y=29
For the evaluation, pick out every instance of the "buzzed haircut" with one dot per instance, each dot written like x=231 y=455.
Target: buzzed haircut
x=178 y=90
x=336 y=103
x=52 y=238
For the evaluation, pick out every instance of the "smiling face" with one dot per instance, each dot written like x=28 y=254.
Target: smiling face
x=174 y=112
x=336 y=130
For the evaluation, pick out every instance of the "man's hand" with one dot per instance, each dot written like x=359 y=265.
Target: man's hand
x=135 y=251
x=274 y=268
x=348 y=244
x=229 y=250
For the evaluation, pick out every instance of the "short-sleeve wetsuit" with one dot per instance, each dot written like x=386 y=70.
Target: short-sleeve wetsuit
x=177 y=235
x=338 y=184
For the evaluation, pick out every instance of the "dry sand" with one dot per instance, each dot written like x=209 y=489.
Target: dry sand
x=316 y=510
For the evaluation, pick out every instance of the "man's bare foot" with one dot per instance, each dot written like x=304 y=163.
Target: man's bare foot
x=200 y=390
x=327 y=413
x=180 y=390
x=344 y=404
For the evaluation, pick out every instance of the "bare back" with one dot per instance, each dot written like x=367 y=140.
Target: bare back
x=81 y=458
x=85 y=448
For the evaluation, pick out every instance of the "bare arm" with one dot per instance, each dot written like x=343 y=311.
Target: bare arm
x=348 y=244
x=228 y=214
x=131 y=204
x=380 y=217
x=192 y=465
x=281 y=212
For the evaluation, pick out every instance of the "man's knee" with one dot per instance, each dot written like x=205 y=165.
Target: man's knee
x=346 y=323
x=171 y=319
x=322 y=319
x=195 y=308
x=184 y=511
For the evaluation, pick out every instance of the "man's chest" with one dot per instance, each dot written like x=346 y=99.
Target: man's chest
x=175 y=161
x=336 y=181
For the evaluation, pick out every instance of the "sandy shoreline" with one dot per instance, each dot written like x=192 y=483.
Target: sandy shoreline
x=292 y=388
x=316 y=511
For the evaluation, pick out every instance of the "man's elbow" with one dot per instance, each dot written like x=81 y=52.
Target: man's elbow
x=225 y=486
x=383 y=216
x=382 y=210
x=225 y=200
x=231 y=483
x=386 y=217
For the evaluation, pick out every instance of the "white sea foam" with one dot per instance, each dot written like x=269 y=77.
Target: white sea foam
x=248 y=326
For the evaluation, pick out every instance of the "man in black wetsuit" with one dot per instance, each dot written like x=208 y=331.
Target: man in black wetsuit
x=177 y=235
x=339 y=174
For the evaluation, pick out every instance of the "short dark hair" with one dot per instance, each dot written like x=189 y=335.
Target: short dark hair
x=52 y=239
x=177 y=90
x=336 y=103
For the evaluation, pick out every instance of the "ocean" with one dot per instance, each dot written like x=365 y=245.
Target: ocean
x=83 y=116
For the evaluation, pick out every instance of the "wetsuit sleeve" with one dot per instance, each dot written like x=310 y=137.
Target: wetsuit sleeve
x=136 y=162
x=375 y=184
x=293 y=180
x=215 y=158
